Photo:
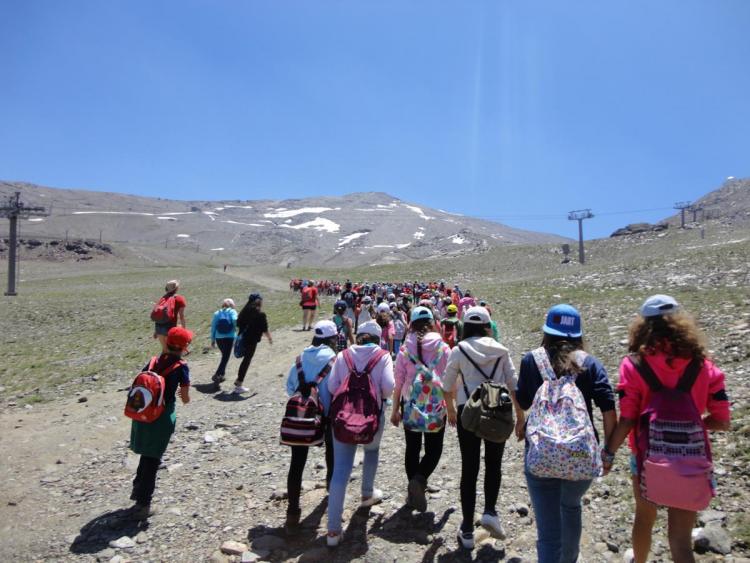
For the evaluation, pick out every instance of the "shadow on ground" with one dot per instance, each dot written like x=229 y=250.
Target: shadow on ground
x=96 y=534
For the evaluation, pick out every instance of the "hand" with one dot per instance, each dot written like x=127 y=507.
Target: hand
x=395 y=417
x=213 y=344
x=607 y=461
x=520 y=429
x=452 y=417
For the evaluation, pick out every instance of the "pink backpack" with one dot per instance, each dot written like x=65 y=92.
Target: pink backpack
x=355 y=410
x=673 y=450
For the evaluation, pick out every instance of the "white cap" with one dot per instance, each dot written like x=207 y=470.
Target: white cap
x=477 y=316
x=325 y=329
x=370 y=327
x=384 y=308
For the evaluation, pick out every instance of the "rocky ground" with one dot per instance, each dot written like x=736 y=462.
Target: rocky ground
x=220 y=492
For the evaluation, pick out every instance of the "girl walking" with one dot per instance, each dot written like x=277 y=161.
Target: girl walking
x=556 y=501
x=252 y=325
x=223 y=332
x=150 y=439
x=667 y=355
x=313 y=361
x=420 y=363
x=476 y=359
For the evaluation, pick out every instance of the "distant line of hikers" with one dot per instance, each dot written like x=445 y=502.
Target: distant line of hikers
x=670 y=396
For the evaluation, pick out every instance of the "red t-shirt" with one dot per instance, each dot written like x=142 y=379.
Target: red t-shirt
x=309 y=296
x=708 y=390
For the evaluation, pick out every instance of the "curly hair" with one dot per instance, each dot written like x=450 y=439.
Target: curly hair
x=676 y=335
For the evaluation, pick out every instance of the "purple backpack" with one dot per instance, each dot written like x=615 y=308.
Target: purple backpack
x=355 y=410
x=673 y=450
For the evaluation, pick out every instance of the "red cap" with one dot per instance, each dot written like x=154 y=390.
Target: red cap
x=179 y=337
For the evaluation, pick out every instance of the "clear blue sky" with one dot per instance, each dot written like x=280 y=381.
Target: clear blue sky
x=509 y=110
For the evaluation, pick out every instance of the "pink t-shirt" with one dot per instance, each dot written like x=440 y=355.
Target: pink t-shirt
x=388 y=334
x=708 y=390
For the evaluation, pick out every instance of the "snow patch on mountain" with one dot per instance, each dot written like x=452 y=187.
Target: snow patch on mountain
x=349 y=238
x=284 y=213
x=318 y=224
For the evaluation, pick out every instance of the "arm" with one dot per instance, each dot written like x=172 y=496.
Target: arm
x=520 y=428
x=185 y=394
x=349 y=323
x=268 y=335
x=450 y=404
x=615 y=440
x=181 y=316
x=396 y=410
x=213 y=331
x=610 y=422
x=716 y=425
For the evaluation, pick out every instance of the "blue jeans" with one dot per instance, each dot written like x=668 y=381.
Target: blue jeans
x=343 y=463
x=557 y=507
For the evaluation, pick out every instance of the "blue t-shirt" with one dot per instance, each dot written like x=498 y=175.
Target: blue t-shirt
x=314 y=359
x=231 y=314
x=593 y=383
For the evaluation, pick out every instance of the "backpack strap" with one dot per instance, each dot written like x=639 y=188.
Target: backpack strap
x=374 y=360
x=647 y=374
x=300 y=373
x=432 y=365
x=473 y=363
x=152 y=363
x=689 y=376
x=166 y=371
x=543 y=364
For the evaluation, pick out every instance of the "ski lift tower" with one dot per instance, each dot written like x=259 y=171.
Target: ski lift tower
x=682 y=206
x=13 y=209
x=579 y=216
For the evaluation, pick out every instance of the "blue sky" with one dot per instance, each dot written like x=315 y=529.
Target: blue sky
x=515 y=111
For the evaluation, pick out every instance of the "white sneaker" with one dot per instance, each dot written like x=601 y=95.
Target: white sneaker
x=492 y=524
x=629 y=556
x=240 y=389
x=466 y=539
x=377 y=497
x=333 y=539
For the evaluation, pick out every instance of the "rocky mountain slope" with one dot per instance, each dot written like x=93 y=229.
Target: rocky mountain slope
x=358 y=228
x=729 y=203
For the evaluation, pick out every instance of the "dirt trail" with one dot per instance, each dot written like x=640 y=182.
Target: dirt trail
x=264 y=280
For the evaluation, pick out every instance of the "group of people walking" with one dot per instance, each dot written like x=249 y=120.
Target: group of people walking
x=340 y=386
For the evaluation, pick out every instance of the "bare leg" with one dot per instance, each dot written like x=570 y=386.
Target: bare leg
x=681 y=524
x=643 y=525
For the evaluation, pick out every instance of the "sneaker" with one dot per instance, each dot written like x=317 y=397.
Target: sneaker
x=466 y=539
x=629 y=556
x=416 y=490
x=333 y=539
x=142 y=511
x=491 y=523
x=377 y=497
x=240 y=389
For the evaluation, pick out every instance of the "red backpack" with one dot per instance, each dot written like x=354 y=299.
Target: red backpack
x=449 y=333
x=303 y=424
x=355 y=411
x=164 y=311
x=145 y=402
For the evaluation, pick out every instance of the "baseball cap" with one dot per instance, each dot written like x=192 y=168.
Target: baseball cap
x=563 y=320
x=371 y=328
x=325 y=329
x=658 y=305
x=179 y=337
x=340 y=304
x=452 y=308
x=477 y=316
x=418 y=313
x=383 y=308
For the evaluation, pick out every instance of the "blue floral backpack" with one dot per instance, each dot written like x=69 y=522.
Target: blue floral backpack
x=559 y=433
x=425 y=410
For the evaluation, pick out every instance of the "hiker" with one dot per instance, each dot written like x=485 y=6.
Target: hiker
x=668 y=366
x=252 y=324
x=349 y=296
x=344 y=326
x=365 y=311
x=478 y=358
x=418 y=400
x=384 y=320
x=451 y=327
x=465 y=303
x=315 y=361
x=168 y=312
x=556 y=480
x=150 y=439
x=368 y=365
x=309 y=302
x=399 y=325
x=223 y=332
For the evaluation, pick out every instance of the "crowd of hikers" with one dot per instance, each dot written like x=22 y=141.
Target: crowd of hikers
x=433 y=352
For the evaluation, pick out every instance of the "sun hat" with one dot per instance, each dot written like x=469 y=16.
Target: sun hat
x=477 y=316
x=172 y=285
x=179 y=338
x=367 y=299
x=563 y=320
x=658 y=305
x=228 y=302
x=370 y=327
x=452 y=308
x=325 y=329
x=383 y=308
x=420 y=313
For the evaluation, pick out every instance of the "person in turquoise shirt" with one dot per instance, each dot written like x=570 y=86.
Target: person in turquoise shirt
x=223 y=332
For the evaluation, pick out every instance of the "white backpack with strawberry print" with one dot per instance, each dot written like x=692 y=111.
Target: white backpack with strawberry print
x=559 y=433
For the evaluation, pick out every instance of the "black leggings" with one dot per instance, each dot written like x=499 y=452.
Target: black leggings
x=246 y=359
x=225 y=345
x=297 y=467
x=145 y=480
x=471 y=455
x=433 y=449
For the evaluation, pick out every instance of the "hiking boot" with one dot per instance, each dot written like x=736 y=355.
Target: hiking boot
x=142 y=511
x=491 y=523
x=416 y=489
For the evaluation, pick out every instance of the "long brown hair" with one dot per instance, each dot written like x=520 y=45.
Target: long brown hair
x=561 y=352
x=677 y=335
x=421 y=327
